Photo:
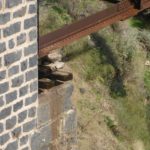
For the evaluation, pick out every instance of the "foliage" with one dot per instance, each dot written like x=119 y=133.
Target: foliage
x=147 y=81
x=141 y=21
x=110 y=123
x=55 y=14
x=135 y=22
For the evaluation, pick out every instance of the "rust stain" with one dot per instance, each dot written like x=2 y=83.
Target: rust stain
x=56 y=111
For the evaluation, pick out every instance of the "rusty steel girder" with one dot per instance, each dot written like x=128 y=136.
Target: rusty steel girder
x=88 y=25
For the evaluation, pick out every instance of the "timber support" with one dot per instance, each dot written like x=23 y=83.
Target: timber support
x=138 y=4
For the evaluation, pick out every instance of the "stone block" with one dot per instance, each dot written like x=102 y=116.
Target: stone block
x=20 y=13
x=32 y=9
x=12 y=57
x=33 y=35
x=24 y=140
x=2 y=75
x=22 y=116
x=11 y=43
x=29 y=126
x=10 y=97
x=34 y=86
x=65 y=92
x=12 y=29
x=31 y=22
x=31 y=49
x=23 y=91
x=0 y=61
x=18 y=106
x=16 y=132
x=32 y=112
x=4 y=138
x=21 y=39
x=67 y=97
x=10 y=123
x=1 y=101
x=12 y=146
x=31 y=74
x=1 y=5
x=24 y=65
x=2 y=47
x=5 y=112
x=31 y=99
x=70 y=122
x=33 y=61
x=17 y=81
x=1 y=128
x=4 y=87
x=4 y=18
x=41 y=140
x=25 y=148
x=44 y=114
x=13 y=70
x=10 y=3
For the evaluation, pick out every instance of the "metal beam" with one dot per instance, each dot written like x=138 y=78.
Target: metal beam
x=88 y=25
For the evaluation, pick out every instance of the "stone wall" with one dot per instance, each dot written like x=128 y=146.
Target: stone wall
x=27 y=123
x=57 y=122
x=18 y=73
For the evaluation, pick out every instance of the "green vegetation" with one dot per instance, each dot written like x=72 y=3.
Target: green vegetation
x=112 y=64
x=135 y=22
x=112 y=126
x=147 y=80
x=141 y=21
x=55 y=18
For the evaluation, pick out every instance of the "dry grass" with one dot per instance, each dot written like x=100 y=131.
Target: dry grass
x=110 y=83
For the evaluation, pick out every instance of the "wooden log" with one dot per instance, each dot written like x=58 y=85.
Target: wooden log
x=44 y=71
x=42 y=90
x=44 y=61
x=46 y=83
x=54 y=57
x=57 y=82
x=55 y=66
x=61 y=75
x=47 y=72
